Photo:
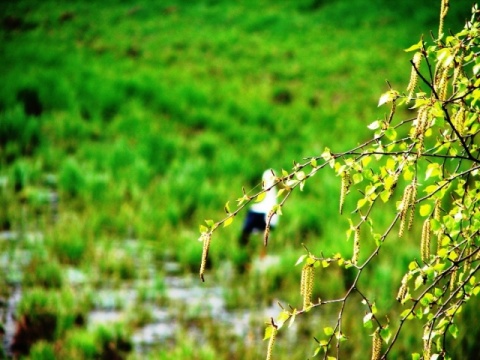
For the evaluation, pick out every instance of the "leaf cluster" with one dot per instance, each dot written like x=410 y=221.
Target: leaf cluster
x=424 y=168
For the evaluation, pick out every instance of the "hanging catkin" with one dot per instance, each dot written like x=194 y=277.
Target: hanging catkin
x=425 y=243
x=376 y=345
x=271 y=342
x=206 y=238
x=306 y=285
x=412 y=84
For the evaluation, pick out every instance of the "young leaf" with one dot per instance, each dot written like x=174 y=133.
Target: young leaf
x=386 y=334
x=367 y=321
x=228 y=221
x=260 y=197
x=414 y=47
x=453 y=330
x=300 y=259
x=425 y=209
x=328 y=330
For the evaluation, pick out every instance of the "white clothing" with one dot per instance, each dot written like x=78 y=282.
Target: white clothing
x=270 y=199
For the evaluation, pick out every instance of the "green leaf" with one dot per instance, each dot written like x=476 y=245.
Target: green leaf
x=425 y=209
x=203 y=229
x=374 y=125
x=300 y=259
x=433 y=170
x=391 y=134
x=419 y=281
x=268 y=332
x=367 y=321
x=328 y=330
x=427 y=299
x=415 y=356
x=407 y=314
x=300 y=175
x=228 y=221
x=388 y=97
x=357 y=178
x=386 y=334
x=414 y=47
x=260 y=197
x=210 y=223
x=292 y=318
x=385 y=195
x=361 y=203
x=340 y=337
x=453 y=330
x=227 y=207
x=326 y=155
x=430 y=189
x=284 y=316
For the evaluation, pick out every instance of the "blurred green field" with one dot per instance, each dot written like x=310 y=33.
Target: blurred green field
x=145 y=117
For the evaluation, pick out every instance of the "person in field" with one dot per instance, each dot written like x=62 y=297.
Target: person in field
x=256 y=219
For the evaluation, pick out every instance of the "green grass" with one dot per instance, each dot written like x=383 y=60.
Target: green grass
x=146 y=117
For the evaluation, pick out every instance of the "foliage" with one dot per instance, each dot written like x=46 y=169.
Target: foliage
x=122 y=122
x=420 y=169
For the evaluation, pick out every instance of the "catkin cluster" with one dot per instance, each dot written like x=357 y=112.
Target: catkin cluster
x=443 y=13
x=266 y=234
x=427 y=344
x=206 y=238
x=453 y=279
x=412 y=84
x=436 y=216
x=422 y=123
x=459 y=121
x=306 y=285
x=402 y=292
x=271 y=342
x=376 y=345
x=441 y=82
x=408 y=204
x=425 y=244
x=458 y=71
x=468 y=262
x=346 y=182
x=356 y=246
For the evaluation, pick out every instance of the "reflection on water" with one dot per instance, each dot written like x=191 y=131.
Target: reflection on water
x=185 y=301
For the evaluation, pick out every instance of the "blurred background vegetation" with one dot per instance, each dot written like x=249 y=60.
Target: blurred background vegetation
x=124 y=124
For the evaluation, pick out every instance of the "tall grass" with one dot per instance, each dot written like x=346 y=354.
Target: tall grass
x=146 y=117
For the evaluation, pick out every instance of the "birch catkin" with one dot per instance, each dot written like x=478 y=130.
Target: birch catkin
x=266 y=234
x=425 y=244
x=453 y=279
x=422 y=122
x=206 y=238
x=443 y=13
x=405 y=205
x=306 y=285
x=412 y=84
x=271 y=342
x=436 y=216
x=412 y=200
x=376 y=345
x=344 y=189
x=402 y=292
x=427 y=344
x=356 y=246
x=459 y=121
